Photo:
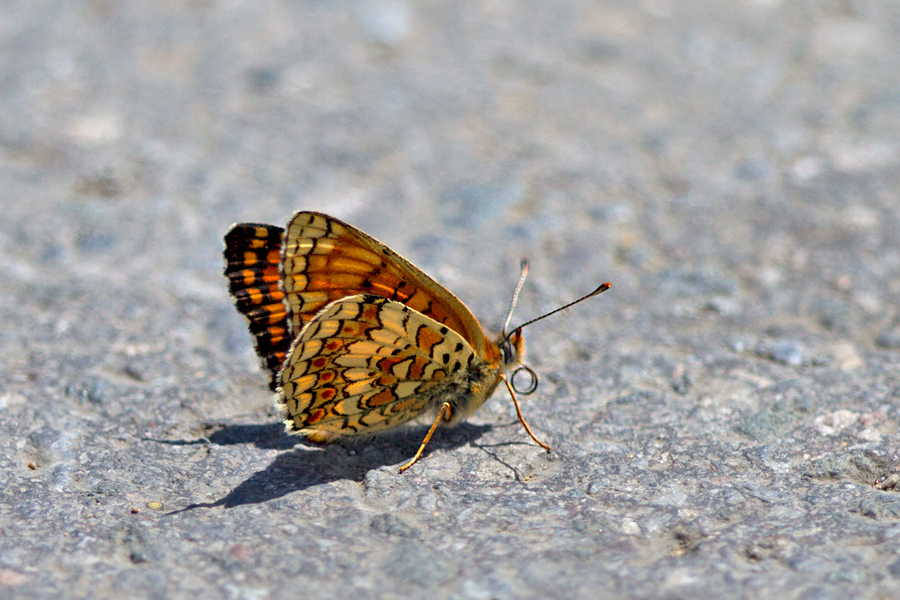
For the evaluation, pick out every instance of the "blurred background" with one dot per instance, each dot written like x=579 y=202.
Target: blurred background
x=733 y=168
x=712 y=148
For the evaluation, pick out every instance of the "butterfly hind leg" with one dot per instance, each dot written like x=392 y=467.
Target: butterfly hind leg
x=445 y=411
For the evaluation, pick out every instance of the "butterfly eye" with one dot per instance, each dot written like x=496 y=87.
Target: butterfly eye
x=507 y=352
x=532 y=380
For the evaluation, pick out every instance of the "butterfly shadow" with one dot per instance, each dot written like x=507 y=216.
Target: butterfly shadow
x=308 y=465
x=270 y=436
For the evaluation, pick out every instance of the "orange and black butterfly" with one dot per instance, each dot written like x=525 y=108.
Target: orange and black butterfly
x=358 y=339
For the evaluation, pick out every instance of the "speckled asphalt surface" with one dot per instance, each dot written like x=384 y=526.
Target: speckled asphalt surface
x=720 y=419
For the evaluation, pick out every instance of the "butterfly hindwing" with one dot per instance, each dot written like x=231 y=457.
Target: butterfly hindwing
x=366 y=363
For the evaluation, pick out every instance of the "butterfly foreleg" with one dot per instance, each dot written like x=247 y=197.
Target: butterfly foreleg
x=444 y=413
x=519 y=413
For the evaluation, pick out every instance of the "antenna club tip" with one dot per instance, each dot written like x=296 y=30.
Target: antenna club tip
x=603 y=287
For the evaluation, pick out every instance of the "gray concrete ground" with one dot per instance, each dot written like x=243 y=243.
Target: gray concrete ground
x=720 y=418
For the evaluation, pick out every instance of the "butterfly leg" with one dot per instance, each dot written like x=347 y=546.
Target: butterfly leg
x=445 y=410
x=519 y=412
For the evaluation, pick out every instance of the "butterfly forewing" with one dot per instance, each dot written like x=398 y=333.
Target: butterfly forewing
x=325 y=260
x=365 y=363
x=252 y=266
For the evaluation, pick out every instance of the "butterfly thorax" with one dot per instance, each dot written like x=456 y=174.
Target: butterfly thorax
x=483 y=375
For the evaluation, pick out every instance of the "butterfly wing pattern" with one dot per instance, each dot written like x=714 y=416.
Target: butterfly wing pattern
x=366 y=363
x=325 y=260
x=252 y=266
x=357 y=338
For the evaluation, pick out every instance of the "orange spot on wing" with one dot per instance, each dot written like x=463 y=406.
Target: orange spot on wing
x=427 y=339
x=271 y=276
x=353 y=329
x=413 y=403
x=315 y=416
x=381 y=398
x=386 y=381
x=387 y=363
x=416 y=369
x=369 y=313
x=276 y=312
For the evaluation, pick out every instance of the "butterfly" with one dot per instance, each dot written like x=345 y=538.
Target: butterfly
x=359 y=340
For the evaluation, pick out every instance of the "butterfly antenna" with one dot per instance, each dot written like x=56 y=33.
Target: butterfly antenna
x=600 y=289
x=515 y=297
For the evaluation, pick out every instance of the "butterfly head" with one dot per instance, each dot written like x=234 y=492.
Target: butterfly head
x=512 y=348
